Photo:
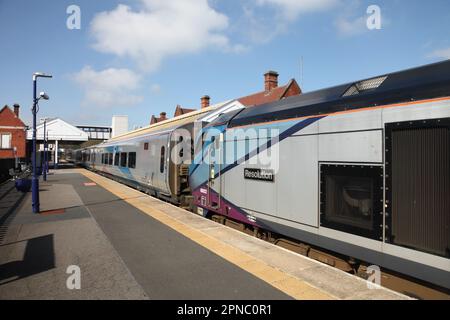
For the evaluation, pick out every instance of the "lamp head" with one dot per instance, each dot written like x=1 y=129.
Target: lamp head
x=43 y=95
x=42 y=75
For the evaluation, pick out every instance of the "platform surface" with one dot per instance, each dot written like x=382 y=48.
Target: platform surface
x=131 y=246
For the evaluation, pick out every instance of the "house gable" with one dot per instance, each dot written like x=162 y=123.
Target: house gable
x=9 y=119
x=275 y=94
x=180 y=111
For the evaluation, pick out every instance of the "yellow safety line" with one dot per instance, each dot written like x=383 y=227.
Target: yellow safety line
x=282 y=281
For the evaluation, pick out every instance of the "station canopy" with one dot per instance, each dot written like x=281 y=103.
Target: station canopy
x=58 y=129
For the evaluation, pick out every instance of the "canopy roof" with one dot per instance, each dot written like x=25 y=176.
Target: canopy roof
x=58 y=129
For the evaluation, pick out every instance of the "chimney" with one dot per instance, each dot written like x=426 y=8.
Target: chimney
x=16 y=109
x=270 y=80
x=205 y=101
x=162 y=116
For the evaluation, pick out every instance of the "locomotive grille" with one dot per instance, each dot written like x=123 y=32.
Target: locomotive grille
x=420 y=183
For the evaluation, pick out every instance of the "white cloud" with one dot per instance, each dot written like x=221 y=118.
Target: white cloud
x=353 y=18
x=108 y=88
x=155 y=88
x=351 y=27
x=292 y=8
x=259 y=28
x=440 y=54
x=263 y=20
x=160 y=28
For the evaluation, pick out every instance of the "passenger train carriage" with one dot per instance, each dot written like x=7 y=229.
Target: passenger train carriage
x=143 y=158
x=362 y=169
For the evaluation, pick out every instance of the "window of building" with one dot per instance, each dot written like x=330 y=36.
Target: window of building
x=161 y=164
x=132 y=160
x=5 y=141
x=123 y=159
x=110 y=159
x=116 y=159
x=146 y=146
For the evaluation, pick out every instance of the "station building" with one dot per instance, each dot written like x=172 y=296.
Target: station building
x=63 y=137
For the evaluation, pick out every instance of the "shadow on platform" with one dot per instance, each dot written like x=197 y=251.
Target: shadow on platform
x=39 y=257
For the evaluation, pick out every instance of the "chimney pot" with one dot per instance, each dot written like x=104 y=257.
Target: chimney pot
x=162 y=116
x=270 y=80
x=205 y=101
x=16 y=109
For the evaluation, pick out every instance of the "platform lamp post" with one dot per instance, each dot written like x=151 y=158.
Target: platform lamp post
x=35 y=178
x=45 y=168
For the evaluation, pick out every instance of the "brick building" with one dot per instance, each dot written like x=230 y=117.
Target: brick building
x=179 y=110
x=272 y=92
x=12 y=134
x=162 y=117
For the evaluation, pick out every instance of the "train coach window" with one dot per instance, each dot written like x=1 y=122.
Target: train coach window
x=123 y=159
x=351 y=199
x=161 y=161
x=116 y=159
x=132 y=160
x=103 y=158
x=110 y=159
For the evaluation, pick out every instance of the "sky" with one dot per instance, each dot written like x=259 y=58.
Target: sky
x=143 y=57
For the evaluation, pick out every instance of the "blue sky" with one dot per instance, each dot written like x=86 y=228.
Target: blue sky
x=141 y=57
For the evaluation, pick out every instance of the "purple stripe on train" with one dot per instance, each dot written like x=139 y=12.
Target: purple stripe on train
x=209 y=199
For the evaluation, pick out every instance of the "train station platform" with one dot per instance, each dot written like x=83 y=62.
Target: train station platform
x=129 y=245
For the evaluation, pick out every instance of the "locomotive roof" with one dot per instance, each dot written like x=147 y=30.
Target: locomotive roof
x=424 y=82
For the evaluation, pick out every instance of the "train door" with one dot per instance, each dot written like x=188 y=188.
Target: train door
x=161 y=177
x=214 y=158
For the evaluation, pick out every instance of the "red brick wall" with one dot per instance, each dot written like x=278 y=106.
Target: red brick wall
x=178 y=112
x=18 y=136
x=293 y=90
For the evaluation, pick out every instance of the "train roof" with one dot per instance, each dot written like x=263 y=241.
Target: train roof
x=430 y=81
x=168 y=124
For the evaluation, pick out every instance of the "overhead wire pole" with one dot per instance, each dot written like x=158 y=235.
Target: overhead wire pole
x=35 y=178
